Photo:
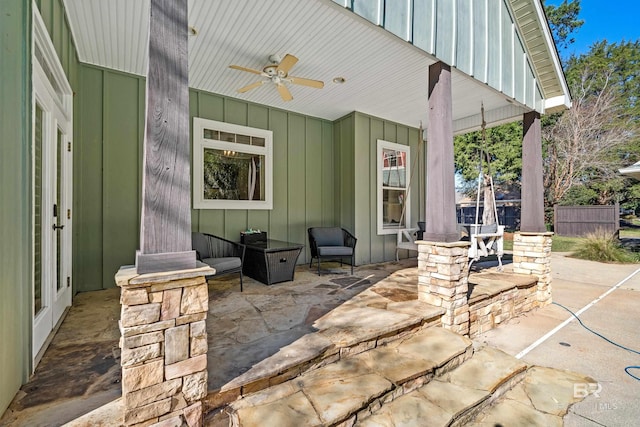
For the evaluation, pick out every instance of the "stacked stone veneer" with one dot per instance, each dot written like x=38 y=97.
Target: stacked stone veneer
x=443 y=270
x=532 y=255
x=164 y=346
x=442 y=281
x=487 y=311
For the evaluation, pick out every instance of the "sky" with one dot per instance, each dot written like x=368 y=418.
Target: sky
x=613 y=20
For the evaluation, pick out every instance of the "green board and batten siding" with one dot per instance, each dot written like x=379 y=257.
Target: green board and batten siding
x=15 y=209
x=357 y=135
x=109 y=131
x=320 y=174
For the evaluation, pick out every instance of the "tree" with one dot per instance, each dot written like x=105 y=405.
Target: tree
x=582 y=143
x=499 y=152
x=563 y=20
x=589 y=143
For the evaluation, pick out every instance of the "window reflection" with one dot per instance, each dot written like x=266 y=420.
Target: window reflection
x=232 y=175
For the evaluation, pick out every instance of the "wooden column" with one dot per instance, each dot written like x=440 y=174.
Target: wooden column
x=440 y=213
x=532 y=210
x=165 y=232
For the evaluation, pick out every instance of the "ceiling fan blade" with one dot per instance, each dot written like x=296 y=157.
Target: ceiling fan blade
x=306 y=82
x=284 y=92
x=251 y=86
x=250 y=70
x=287 y=63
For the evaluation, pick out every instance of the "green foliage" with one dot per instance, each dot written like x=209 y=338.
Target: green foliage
x=607 y=70
x=615 y=65
x=630 y=233
x=631 y=197
x=504 y=147
x=563 y=20
x=564 y=244
x=579 y=195
x=603 y=247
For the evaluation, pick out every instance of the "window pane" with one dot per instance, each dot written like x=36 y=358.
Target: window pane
x=392 y=208
x=210 y=134
x=232 y=175
x=228 y=137
x=243 y=139
x=393 y=168
x=37 y=287
x=259 y=142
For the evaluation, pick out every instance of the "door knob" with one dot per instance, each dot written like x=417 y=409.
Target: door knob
x=58 y=227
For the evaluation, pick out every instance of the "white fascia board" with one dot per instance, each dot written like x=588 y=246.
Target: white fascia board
x=632 y=171
x=557 y=104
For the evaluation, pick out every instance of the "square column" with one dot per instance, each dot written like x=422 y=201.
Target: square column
x=443 y=281
x=532 y=255
x=532 y=209
x=440 y=214
x=164 y=346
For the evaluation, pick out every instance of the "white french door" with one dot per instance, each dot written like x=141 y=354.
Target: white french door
x=52 y=190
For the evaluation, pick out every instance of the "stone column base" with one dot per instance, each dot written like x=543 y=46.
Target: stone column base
x=443 y=281
x=532 y=255
x=164 y=346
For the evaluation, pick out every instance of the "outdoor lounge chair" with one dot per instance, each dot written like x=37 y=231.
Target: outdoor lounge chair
x=223 y=255
x=331 y=243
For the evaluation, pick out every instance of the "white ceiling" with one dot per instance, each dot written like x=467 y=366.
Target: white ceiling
x=385 y=76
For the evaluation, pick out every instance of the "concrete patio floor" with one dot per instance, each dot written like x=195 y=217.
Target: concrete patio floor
x=80 y=371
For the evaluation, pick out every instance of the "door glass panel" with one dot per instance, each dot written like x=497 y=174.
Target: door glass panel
x=60 y=215
x=37 y=292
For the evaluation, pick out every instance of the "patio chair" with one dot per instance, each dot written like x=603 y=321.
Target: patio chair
x=331 y=243
x=223 y=255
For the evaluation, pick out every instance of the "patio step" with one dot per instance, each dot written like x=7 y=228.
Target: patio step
x=356 y=326
x=454 y=398
x=354 y=386
x=431 y=378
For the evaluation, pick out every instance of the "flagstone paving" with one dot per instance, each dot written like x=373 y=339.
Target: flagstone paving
x=438 y=380
x=357 y=349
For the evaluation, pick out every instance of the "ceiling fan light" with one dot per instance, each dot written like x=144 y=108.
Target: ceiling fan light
x=339 y=80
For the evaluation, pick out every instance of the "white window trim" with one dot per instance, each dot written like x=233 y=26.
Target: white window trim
x=200 y=143
x=386 y=145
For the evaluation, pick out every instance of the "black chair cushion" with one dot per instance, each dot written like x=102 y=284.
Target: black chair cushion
x=335 y=251
x=223 y=264
x=328 y=236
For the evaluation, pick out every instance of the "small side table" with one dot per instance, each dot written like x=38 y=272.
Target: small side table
x=271 y=262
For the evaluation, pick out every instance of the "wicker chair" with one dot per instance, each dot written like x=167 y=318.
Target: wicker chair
x=331 y=243
x=223 y=255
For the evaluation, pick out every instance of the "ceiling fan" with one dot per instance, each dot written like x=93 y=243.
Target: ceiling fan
x=278 y=73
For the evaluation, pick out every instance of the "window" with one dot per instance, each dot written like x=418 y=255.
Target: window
x=232 y=166
x=393 y=190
